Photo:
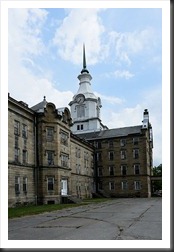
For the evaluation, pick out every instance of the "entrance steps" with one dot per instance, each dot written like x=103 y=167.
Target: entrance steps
x=69 y=199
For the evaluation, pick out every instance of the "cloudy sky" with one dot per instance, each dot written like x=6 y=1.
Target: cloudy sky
x=123 y=53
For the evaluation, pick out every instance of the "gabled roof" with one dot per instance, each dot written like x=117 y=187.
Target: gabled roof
x=40 y=106
x=111 y=133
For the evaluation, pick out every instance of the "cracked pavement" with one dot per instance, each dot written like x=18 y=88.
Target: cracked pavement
x=116 y=219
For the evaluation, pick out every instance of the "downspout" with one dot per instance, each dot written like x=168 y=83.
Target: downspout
x=95 y=171
x=36 y=158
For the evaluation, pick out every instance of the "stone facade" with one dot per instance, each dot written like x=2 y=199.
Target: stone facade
x=48 y=163
x=21 y=153
x=123 y=156
x=123 y=161
x=43 y=156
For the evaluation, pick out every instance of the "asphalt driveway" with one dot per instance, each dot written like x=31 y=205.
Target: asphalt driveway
x=116 y=219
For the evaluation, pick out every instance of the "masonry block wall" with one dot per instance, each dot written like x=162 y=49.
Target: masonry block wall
x=21 y=153
x=47 y=162
x=44 y=162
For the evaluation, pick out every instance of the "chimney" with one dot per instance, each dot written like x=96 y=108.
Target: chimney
x=145 y=119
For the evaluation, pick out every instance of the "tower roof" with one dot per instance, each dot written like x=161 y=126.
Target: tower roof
x=84 y=70
x=40 y=106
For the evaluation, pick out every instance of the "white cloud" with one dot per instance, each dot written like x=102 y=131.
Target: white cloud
x=109 y=99
x=122 y=118
x=123 y=74
x=25 y=43
x=25 y=30
x=128 y=44
x=80 y=26
x=27 y=81
x=85 y=26
x=119 y=74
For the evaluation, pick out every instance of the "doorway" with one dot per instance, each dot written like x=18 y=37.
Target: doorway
x=64 y=187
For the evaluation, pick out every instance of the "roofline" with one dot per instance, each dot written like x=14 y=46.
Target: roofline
x=105 y=137
x=20 y=104
x=82 y=140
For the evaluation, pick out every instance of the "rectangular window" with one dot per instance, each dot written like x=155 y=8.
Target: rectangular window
x=24 y=143
x=78 y=152
x=92 y=161
x=123 y=170
x=81 y=126
x=17 y=184
x=100 y=185
x=78 y=168
x=64 y=138
x=100 y=172
x=98 y=145
x=136 y=169
x=135 y=140
x=24 y=131
x=137 y=185
x=25 y=184
x=111 y=170
x=122 y=142
x=110 y=144
x=99 y=156
x=136 y=153
x=86 y=155
x=111 y=186
x=49 y=134
x=16 y=141
x=123 y=154
x=124 y=185
x=111 y=155
x=16 y=128
x=80 y=111
x=64 y=160
x=24 y=156
x=86 y=158
x=16 y=154
x=50 y=183
x=50 y=157
x=78 y=127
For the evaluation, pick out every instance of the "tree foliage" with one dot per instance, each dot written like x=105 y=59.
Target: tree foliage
x=157 y=172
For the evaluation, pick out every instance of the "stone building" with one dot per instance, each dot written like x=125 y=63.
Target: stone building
x=21 y=153
x=58 y=156
x=47 y=163
x=123 y=161
x=123 y=155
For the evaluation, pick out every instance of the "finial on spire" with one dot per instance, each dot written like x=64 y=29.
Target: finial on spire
x=84 y=70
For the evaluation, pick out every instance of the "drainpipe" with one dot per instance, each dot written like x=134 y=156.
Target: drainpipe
x=95 y=171
x=36 y=158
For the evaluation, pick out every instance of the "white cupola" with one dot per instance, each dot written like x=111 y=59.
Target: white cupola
x=85 y=105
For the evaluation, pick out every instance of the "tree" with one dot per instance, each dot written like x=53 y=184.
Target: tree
x=157 y=172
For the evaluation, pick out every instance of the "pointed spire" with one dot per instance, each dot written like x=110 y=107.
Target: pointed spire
x=84 y=70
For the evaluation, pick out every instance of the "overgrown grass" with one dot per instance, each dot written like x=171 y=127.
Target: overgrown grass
x=32 y=209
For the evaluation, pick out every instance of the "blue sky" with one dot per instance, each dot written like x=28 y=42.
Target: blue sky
x=123 y=53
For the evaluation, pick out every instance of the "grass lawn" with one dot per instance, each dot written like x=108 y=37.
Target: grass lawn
x=31 y=210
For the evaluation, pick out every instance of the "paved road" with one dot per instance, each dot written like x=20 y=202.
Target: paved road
x=116 y=219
